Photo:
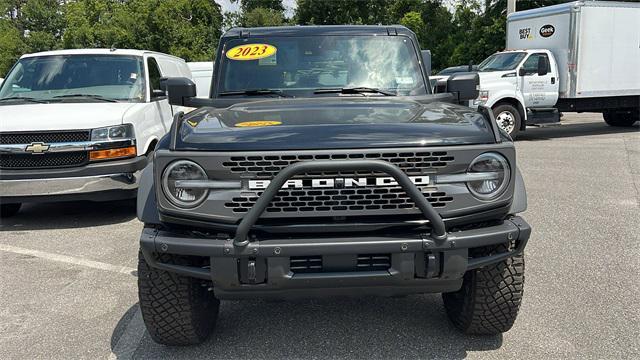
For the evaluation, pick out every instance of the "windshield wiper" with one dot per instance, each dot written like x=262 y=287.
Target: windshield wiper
x=353 y=90
x=86 y=96
x=30 y=99
x=256 y=92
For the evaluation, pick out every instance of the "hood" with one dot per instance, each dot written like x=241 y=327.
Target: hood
x=489 y=77
x=331 y=123
x=61 y=116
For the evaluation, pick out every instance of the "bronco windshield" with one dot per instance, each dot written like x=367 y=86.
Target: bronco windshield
x=92 y=78
x=305 y=65
x=501 y=61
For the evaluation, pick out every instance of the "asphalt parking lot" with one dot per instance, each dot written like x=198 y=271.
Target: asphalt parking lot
x=68 y=280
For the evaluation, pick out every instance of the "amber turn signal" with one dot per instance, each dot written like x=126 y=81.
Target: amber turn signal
x=112 y=153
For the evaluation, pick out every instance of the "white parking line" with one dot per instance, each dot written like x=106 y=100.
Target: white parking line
x=130 y=339
x=68 y=259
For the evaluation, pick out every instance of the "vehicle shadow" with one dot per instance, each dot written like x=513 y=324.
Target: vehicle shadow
x=381 y=328
x=66 y=215
x=574 y=130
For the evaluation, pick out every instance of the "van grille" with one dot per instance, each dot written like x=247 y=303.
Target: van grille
x=42 y=161
x=45 y=137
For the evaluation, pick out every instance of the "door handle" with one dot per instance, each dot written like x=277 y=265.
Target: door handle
x=553 y=80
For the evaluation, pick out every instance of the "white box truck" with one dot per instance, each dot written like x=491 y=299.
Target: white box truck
x=573 y=57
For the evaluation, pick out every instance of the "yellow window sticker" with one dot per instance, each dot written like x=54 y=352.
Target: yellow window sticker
x=258 y=123
x=251 y=52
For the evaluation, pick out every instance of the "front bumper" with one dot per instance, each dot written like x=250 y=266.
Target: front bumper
x=418 y=263
x=99 y=181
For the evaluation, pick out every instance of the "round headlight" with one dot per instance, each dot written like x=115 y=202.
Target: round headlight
x=495 y=169
x=180 y=194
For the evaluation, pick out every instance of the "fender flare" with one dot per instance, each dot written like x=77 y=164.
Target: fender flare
x=146 y=206
x=519 y=203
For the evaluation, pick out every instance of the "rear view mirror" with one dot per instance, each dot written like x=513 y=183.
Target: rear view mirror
x=543 y=65
x=464 y=86
x=180 y=89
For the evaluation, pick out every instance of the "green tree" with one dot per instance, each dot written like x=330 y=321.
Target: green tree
x=263 y=17
x=337 y=12
x=29 y=26
x=247 y=5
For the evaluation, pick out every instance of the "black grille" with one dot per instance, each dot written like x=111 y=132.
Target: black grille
x=363 y=262
x=374 y=262
x=39 y=161
x=44 y=137
x=373 y=198
x=270 y=165
x=305 y=264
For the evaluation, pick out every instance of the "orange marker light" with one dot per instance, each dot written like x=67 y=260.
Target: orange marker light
x=112 y=153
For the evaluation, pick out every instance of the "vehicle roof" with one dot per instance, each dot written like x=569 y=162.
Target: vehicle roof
x=124 y=52
x=318 y=30
x=200 y=66
x=522 y=50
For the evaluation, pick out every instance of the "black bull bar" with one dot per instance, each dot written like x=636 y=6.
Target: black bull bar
x=438 y=229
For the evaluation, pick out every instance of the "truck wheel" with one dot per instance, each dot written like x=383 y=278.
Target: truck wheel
x=177 y=310
x=508 y=118
x=488 y=302
x=7 y=210
x=613 y=118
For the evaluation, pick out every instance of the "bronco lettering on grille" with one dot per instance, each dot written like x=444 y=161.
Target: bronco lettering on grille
x=337 y=183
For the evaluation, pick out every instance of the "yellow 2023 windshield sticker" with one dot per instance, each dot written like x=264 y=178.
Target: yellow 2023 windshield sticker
x=251 y=52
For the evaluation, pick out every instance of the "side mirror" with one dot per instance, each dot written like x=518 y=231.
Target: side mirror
x=180 y=89
x=464 y=85
x=522 y=72
x=543 y=65
x=163 y=84
x=426 y=58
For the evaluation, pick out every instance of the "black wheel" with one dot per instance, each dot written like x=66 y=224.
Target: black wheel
x=621 y=118
x=488 y=302
x=7 y=210
x=508 y=118
x=177 y=310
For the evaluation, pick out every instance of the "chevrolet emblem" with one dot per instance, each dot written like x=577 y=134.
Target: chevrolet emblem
x=37 y=148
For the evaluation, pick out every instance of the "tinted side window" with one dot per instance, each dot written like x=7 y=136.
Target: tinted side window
x=154 y=74
x=530 y=66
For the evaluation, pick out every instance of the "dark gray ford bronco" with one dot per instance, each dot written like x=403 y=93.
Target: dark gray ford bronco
x=321 y=165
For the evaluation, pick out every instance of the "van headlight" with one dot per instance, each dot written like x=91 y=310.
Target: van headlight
x=176 y=175
x=495 y=179
x=118 y=132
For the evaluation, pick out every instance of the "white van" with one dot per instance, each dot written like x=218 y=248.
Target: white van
x=202 y=73
x=79 y=124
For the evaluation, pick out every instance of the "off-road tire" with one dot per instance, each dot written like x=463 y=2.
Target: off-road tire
x=177 y=310
x=488 y=302
x=621 y=119
x=513 y=111
x=8 y=210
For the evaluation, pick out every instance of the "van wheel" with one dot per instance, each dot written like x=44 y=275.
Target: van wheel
x=177 y=310
x=489 y=300
x=508 y=119
x=621 y=118
x=7 y=210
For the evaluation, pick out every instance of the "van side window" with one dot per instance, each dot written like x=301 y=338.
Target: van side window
x=530 y=65
x=154 y=74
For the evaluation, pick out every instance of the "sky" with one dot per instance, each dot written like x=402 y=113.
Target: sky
x=227 y=5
